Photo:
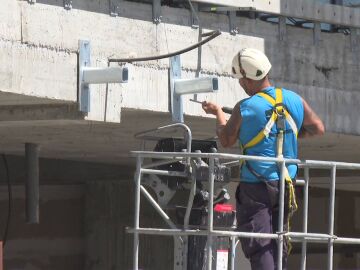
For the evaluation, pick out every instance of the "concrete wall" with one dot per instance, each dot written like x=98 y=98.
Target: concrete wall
x=57 y=242
x=40 y=52
x=84 y=208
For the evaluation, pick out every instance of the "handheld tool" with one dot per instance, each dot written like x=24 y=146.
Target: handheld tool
x=227 y=110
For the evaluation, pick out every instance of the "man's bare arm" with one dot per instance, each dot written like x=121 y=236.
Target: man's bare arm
x=227 y=131
x=312 y=125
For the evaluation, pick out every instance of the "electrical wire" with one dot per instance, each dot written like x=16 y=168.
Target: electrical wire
x=211 y=35
x=6 y=230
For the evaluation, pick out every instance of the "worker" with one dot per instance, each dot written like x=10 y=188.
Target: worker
x=267 y=124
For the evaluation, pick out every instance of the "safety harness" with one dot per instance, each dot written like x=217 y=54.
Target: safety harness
x=279 y=116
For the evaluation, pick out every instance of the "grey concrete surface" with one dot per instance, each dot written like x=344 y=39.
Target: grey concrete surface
x=38 y=104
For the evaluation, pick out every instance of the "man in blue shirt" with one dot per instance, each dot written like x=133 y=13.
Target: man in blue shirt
x=254 y=122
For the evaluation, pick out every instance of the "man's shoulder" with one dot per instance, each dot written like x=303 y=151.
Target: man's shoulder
x=290 y=92
x=243 y=101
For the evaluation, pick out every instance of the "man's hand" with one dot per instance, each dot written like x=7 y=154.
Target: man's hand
x=227 y=131
x=210 y=108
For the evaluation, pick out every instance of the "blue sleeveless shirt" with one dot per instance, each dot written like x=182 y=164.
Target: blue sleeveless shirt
x=255 y=113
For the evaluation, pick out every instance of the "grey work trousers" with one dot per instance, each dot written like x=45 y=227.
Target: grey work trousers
x=257 y=210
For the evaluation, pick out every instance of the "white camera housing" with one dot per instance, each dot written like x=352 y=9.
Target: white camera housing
x=196 y=86
x=97 y=75
x=179 y=87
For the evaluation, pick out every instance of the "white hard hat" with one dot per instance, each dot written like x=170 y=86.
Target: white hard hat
x=250 y=63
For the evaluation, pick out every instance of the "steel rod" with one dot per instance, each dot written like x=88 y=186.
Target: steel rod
x=300 y=182
x=307 y=237
x=211 y=214
x=331 y=217
x=163 y=172
x=305 y=217
x=172 y=232
x=157 y=207
x=137 y=180
x=281 y=215
x=302 y=164
x=160 y=163
x=233 y=253
x=314 y=235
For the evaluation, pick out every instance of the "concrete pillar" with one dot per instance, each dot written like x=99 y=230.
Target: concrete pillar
x=32 y=183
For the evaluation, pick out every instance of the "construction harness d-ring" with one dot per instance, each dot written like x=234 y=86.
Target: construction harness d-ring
x=279 y=116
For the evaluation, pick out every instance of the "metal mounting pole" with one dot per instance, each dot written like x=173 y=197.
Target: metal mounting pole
x=331 y=218
x=114 y=6
x=211 y=214
x=32 y=183
x=94 y=75
x=305 y=218
x=156 y=8
x=233 y=29
x=281 y=216
x=176 y=100
x=137 y=179
x=84 y=89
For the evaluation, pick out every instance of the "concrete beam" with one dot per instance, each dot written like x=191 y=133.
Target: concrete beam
x=40 y=112
x=302 y=9
x=10 y=20
x=36 y=71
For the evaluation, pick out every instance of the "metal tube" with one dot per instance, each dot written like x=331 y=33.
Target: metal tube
x=305 y=218
x=32 y=183
x=302 y=164
x=281 y=215
x=211 y=214
x=345 y=240
x=231 y=163
x=313 y=235
x=172 y=232
x=137 y=180
x=190 y=203
x=300 y=182
x=305 y=237
x=163 y=172
x=336 y=240
x=233 y=253
x=157 y=207
x=331 y=217
x=161 y=162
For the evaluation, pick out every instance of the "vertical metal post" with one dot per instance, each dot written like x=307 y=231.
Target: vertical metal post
x=282 y=28
x=305 y=218
x=176 y=102
x=84 y=88
x=281 y=215
x=354 y=37
x=331 y=218
x=317 y=33
x=233 y=29
x=32 y=183
x=211 y=214
x=156 y=9
x=137 y=180
x=193 y=16
x=233 y=250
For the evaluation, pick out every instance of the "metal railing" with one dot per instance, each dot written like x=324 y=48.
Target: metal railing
x=304 y=237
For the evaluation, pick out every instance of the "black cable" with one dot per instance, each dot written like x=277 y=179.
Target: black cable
x=10 y=200
x=149 y=58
